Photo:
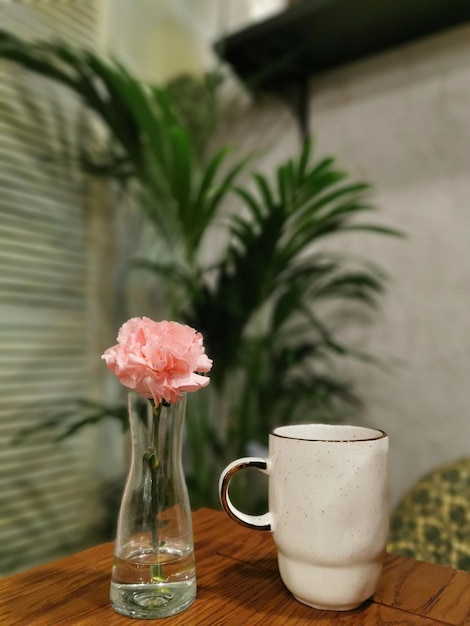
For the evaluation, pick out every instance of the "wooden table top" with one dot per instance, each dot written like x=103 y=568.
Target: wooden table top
x=238 y=584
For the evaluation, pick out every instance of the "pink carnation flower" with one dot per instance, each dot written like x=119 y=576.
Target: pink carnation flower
x=159 y=360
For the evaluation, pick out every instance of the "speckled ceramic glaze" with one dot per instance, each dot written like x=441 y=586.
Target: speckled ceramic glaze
x=328 y=501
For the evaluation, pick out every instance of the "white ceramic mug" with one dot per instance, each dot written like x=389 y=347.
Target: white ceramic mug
x=328 y=510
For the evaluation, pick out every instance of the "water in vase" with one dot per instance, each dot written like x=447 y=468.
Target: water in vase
x=149 y=585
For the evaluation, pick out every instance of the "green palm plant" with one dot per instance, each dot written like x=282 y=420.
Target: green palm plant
x=259 y=305
x=259 y=313
x=149 y=137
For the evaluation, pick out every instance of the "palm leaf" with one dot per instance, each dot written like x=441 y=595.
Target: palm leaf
x=181 y=172
x=251 y=203
x=265 y=192
x=78 y=414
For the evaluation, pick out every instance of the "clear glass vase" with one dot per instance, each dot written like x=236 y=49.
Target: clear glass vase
x=153 y=572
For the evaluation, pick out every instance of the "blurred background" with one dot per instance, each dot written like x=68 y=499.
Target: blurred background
x=189 y=160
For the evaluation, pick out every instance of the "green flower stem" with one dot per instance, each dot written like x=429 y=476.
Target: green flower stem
x=151 y=462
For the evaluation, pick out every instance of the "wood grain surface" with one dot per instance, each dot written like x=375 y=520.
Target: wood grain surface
x=238 y=584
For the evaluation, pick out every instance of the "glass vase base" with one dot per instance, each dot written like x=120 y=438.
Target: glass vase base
x=152 y=601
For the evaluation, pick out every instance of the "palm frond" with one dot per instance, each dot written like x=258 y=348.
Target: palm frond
x=79 y=413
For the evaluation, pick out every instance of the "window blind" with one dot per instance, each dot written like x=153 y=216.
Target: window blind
x=48 y=499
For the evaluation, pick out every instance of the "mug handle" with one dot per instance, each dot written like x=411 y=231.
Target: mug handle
x=258 y=522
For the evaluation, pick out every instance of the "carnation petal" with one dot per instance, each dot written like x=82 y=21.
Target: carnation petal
x=204 y=363
x=193 y=382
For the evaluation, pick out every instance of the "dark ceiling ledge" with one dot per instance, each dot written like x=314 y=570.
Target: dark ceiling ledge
x=281 y=54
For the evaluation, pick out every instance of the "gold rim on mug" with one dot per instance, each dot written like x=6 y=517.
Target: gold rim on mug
x=379 y=434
